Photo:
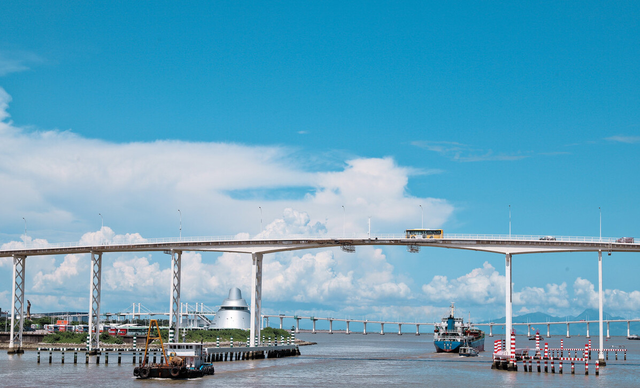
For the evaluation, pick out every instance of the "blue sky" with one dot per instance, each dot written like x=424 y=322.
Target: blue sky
x=136 y=110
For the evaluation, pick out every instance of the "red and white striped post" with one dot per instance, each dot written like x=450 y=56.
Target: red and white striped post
x=512 y=358
x=546 y=357
x=589 y=350
x=597 y=367
x=561 y=348
x=586 y=359
x=538 y=343
x=546 y=350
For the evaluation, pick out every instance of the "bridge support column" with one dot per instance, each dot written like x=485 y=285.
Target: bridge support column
x=588 y=333
x=330 y=326
x=365 y=328
x=490 y=330
x=256 y=298
x=528 y=330
x=399 y=328
x=628 y=329
x=600 y=309
x=568 y=333
x=297 y=325
x=608 y=336
x=281 y=319
x=381 y=328
x=95 y=289
x=508 y=301
x=314 y=326
x=175 y=306
x=17 y=305
x=348 y=332
x=548 y=330
x=417 y=329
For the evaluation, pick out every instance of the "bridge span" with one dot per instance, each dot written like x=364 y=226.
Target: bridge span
x=501 y=244
x=382 y=323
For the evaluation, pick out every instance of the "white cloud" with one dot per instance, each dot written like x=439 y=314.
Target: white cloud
x=59 y=179
x=624 y=139
x=137 y=275
x=107 y=236
x=465 y=153
x=5 y=99
x=68 y=269
x=551 y=298
x=482 y=286
x=292 y=223
x=615 y=301
x=16 y=61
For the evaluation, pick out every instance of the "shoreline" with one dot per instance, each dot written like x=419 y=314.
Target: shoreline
x=82 y=347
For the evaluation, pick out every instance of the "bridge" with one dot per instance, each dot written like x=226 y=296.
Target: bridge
x=257 y=248
x=382 y=323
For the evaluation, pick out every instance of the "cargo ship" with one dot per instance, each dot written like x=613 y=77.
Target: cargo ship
x=452 y=334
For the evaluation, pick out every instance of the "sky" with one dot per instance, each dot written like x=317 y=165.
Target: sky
x=265 y=119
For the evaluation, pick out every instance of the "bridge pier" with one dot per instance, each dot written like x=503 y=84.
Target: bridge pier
x=548 y=330
x=364 y=332
x=330 y=326
x=175 y=306
x=95 y=289
x=256 y=298
x=508 y=302
x=314 y=325
x=608 y=336
x=600 y=311
x=568 y=333
x=628 y=329
x=297 y=324
x=399 y=328
x=490 y=330
x=528 y=330
x=381 y=328
x=348 y=332
x=17 y=305
x=588 y=334
x=417 y=329
x=281 y=319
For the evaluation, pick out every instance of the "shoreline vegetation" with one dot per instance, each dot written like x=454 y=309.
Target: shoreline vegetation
x=203 y=336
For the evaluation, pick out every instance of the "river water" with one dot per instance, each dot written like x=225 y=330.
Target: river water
x=340 y=360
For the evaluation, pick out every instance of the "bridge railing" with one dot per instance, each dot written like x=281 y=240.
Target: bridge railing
x=134 y=240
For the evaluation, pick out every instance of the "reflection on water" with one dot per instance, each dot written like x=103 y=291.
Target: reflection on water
x=339 y=360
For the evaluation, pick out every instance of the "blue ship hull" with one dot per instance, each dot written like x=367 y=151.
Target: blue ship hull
x=453 y=346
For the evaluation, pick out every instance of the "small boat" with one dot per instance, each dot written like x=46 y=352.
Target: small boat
x=533 y=337
x=468 y=351
x=633 y=337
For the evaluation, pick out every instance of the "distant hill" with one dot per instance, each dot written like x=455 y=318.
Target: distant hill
x=615 y=329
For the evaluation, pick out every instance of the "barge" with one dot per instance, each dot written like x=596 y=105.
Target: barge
x=186 y=360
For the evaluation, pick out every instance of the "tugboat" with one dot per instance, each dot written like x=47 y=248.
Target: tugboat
x=452 y=335
x=186 y=360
